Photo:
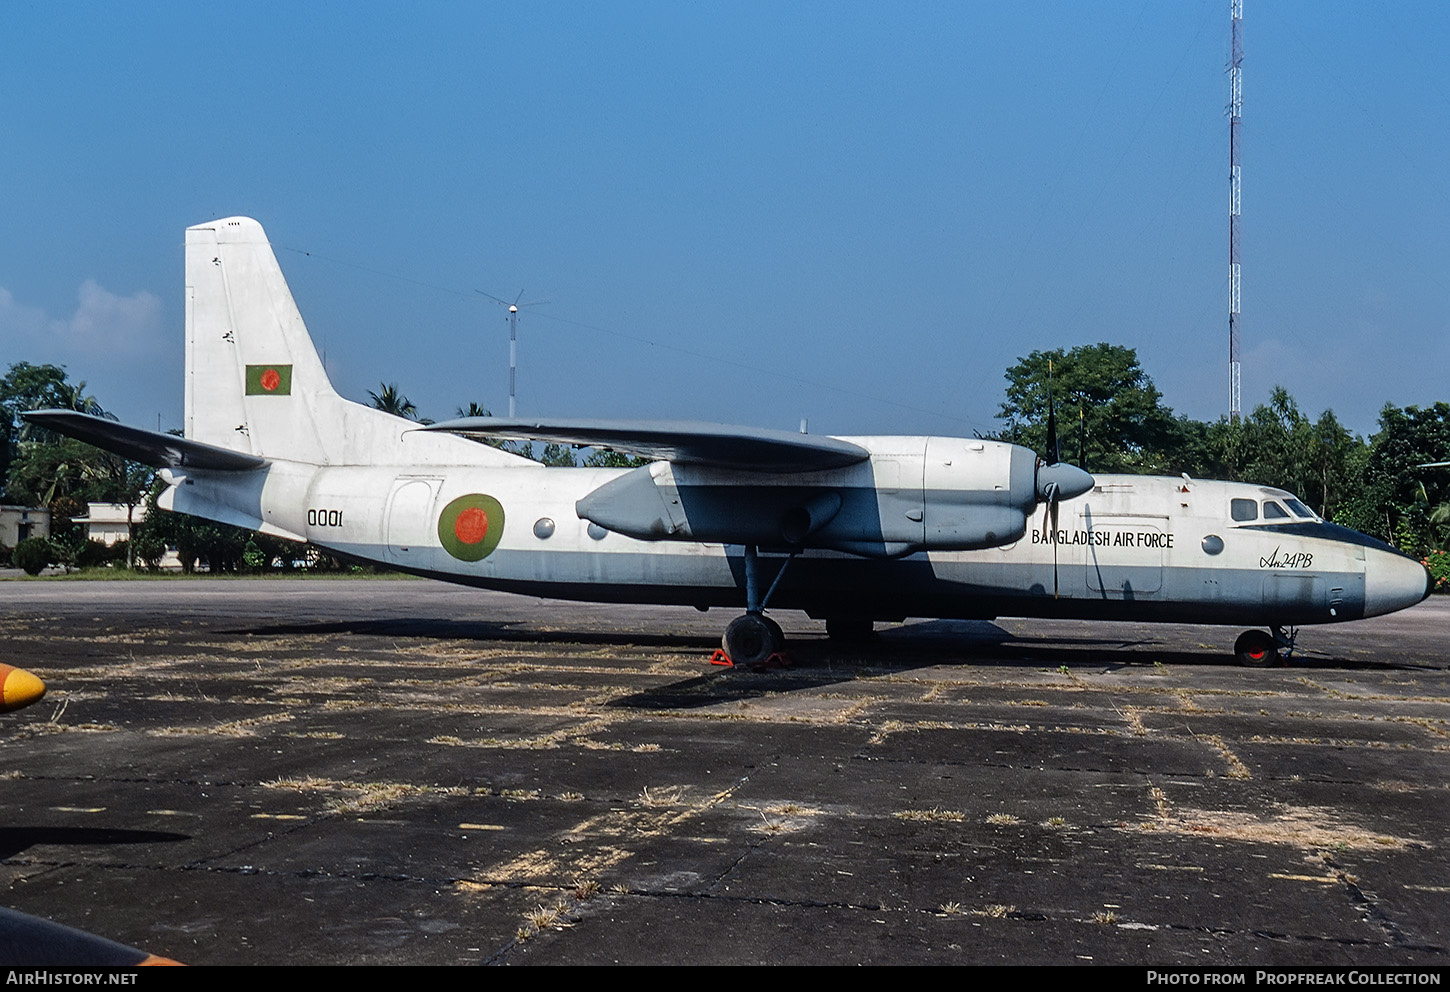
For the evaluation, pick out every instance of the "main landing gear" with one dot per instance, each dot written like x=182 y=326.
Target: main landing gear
x=1260 y=649
x=753 y=638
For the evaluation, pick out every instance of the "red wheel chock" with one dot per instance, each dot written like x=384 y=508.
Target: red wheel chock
x=776 y=660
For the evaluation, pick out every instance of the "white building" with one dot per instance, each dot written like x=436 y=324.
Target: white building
x=106 y=522
x=19 y=522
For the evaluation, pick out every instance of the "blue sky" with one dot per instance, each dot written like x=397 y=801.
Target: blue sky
x=748 y=213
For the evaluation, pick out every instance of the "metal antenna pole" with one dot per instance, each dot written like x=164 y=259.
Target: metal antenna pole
x=513 y=353
x=1235 y=150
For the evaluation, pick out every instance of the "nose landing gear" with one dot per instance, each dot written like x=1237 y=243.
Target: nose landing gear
x=1259 y=649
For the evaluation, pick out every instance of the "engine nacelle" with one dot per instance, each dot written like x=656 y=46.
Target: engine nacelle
x=913 y=494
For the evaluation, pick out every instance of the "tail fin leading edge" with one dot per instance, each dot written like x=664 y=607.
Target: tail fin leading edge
x=254 y=381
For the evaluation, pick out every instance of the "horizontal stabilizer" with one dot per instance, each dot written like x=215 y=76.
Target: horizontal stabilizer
x=752 y=449
x=147 y=447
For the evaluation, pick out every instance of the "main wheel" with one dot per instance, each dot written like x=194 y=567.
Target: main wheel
x=849 y=630
x=751 y=639
x=1256 y=649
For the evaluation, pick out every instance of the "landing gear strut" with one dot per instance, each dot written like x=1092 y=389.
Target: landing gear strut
x=753 y=638
x=1258 y=649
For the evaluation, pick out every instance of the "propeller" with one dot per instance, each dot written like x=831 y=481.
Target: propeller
x=1056 y=481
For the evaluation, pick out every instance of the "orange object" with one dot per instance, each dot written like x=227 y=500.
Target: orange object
x=18 y=688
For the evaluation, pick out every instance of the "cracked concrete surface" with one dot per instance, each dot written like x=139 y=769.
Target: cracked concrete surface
x=401 y=772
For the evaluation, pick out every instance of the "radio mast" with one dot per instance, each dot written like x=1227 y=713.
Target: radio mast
x=1235 y=150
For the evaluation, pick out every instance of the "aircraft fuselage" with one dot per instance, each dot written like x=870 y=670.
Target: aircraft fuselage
x=1133 y=548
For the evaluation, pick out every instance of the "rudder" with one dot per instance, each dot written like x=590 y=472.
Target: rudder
x=254 y=382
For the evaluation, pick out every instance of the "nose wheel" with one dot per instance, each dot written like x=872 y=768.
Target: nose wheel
x=1261 y=649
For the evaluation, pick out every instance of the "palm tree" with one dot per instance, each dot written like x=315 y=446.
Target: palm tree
x=75 y=398
x=389 y=400
x=1440 y=521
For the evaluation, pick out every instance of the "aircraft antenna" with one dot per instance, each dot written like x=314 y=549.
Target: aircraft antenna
x=1235 y=150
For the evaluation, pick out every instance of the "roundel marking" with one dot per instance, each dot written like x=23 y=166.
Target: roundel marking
x=470 y=526
x=271 y=379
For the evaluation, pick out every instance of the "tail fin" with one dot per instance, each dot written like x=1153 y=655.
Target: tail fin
x=254 y=382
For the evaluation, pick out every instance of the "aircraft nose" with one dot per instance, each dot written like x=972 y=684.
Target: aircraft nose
x=1393 y=581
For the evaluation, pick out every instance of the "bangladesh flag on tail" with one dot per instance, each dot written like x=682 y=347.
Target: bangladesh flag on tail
x=269 y=380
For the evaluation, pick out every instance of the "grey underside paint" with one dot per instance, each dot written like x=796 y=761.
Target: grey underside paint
x=919 y=587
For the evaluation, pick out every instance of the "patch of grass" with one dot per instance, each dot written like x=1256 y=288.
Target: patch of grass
x=542 y=917
x=996 y=911
x=934 y=815
x=308 y=783
x=1003 y=820
x=1105 y=917
x=1306 y=827
x=667 y=796
x=950 y=909
x=374 y=795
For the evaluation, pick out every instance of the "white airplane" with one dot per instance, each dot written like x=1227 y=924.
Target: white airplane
x=851 y=529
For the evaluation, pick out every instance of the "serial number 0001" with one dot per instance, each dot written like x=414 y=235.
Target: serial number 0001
x=324 y=518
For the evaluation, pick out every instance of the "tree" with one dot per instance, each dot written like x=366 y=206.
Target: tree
x=25 y=387
x=390 y=400
x=606 y=458
x=1313 y=460
x=196 y=540
x=1399 y=499
x=558 y=455
x=1110 y=415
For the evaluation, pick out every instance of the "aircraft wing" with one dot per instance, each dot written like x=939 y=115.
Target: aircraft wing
x=147 y=447
x=753 y=449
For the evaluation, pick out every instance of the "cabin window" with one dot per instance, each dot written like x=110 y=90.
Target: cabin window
x=1300 y=510
x=1273 y=511
x=1243 y=509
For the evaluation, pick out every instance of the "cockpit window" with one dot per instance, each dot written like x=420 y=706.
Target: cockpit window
x=1300 y=510
x=1273 y=511
x=1243 y=509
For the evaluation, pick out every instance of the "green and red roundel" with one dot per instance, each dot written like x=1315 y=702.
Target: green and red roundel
x=470 y=526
